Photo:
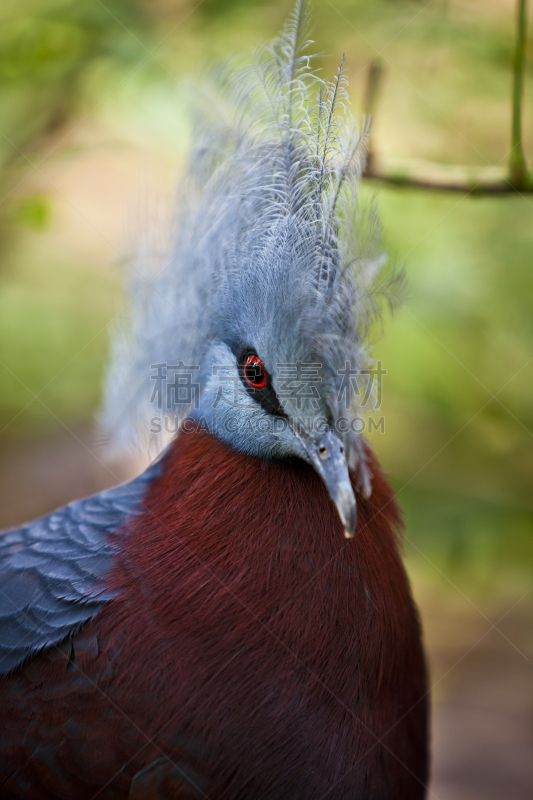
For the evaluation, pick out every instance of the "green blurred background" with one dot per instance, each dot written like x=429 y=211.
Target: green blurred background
x=94 y=114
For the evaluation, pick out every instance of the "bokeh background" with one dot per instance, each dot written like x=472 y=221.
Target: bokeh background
x=94 y=119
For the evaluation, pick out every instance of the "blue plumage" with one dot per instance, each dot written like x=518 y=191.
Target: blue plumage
x=50 y=569
x=272 y=251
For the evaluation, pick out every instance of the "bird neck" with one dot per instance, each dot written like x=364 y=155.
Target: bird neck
x=228 y=536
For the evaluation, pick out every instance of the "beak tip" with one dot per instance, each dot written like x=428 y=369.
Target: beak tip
x=349 y=529
x=350 y=521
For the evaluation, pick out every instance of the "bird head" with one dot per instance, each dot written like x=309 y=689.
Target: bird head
x=271 y=281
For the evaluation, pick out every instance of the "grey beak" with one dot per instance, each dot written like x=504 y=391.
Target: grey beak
x=327 y=457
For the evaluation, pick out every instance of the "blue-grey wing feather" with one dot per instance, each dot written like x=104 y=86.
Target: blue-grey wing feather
x=50 y=570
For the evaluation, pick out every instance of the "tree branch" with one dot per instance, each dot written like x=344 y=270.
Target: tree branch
x=517 y=180
x=477 y=188
x=517 y=163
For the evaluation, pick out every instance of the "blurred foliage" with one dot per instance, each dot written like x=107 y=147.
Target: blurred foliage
x=32 y=212
x=46 y=52
x=461 y=459
x=457 y=394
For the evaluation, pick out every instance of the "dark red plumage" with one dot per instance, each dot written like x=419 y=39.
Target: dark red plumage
x=252 y=652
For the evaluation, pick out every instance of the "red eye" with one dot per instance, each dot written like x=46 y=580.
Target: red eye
x=254 y=372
